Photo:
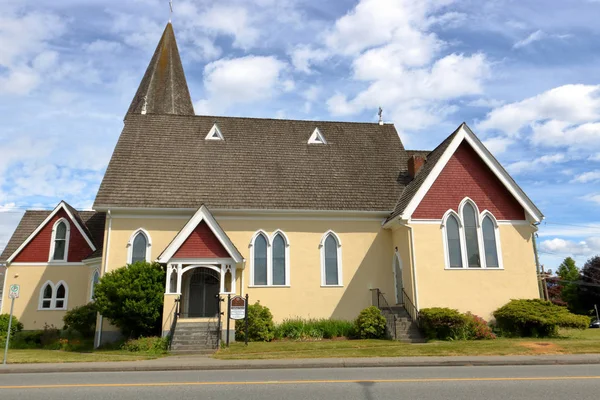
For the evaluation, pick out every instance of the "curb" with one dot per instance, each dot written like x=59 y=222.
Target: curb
x=74 y=367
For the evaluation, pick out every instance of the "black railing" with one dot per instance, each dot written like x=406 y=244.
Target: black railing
x=219 y=315
x=410 y=307
x=174 y=323
x=380 y=302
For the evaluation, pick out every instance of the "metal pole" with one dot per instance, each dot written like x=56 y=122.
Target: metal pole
x=246 y=319
x=12 y=305
x=597 y=317
x=545 y=284
x=228 y=316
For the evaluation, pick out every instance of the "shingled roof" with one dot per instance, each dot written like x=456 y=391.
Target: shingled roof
x=92 y=222
x=164 y=161
x=163 y=89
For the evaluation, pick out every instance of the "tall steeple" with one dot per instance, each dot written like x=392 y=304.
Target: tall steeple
x=163 y=89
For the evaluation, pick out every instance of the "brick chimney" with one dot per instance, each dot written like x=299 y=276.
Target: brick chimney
x=414 y=165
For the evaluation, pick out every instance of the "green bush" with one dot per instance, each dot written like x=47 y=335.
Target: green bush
x=16 y=326
x=442 y=323
x=535 y=318
x=50 y=338
x=27 y=340
x=81 y=319
x=260 y=325
x=477 y=328
x=370 y=324
x=152 y=344
x=313 y=329
x=132 y=298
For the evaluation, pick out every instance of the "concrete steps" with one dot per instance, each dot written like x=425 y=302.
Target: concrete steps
x=401 y=326
x=195 y=337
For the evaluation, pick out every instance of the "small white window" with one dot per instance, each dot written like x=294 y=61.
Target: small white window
x=54 y=297
x=317 y=137
x=214 y=133
x=139 y=247
x=59 y=247
x=95 y=280
x=331 y=260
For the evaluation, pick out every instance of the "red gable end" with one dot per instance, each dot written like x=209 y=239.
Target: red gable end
x=467 y=175
x=38 y=249
x=202 y=243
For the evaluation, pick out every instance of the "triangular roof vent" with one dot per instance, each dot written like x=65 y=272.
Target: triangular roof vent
x=214 y=134
x=317 y=137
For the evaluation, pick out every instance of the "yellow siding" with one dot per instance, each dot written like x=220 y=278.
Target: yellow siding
x=478 y=291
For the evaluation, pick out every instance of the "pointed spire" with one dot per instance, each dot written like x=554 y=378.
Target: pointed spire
x=163 y=89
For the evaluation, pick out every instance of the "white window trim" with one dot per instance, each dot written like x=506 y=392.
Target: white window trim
x=53 y=299
x=463 y=242
x=317 y=137
x=96 y=271
x=269 y=259
x=130 y=244
x=339 y=259
x=53 y=242
x=214 y=130
x=224 y=269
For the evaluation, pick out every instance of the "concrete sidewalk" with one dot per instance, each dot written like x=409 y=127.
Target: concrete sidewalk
x=199 y=363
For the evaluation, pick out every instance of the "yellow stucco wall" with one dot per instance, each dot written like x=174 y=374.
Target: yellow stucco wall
x=401 y=241
x=475 y=290
x=367 y=253
x=32 y=278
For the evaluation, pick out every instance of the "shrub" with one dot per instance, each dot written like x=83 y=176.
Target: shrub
x=442 y=323
x=260 y=325
x=370 y=324
x=81 y=319
x=15 y=327
x=132 y=298
x=152 y=344
x=49 y=338
x=301 y=329
x=477 y=328
x=27 y=340
x=536 y=318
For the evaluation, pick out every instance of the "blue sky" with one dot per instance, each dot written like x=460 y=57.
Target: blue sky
x=525 y=75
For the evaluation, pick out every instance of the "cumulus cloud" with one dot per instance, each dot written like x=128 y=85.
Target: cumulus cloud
x=498 y=145
x=241 y=80
x=594 y=198
x=587 y=247
x=590 y=176
x=532 y=165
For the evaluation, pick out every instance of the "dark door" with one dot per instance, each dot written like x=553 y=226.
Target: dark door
x=204 y=288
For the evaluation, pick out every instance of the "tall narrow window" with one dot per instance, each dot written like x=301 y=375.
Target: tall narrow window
x=489 y=243
x=60 y=241
x=278 y=260
x=95 y=280
x=139 y=248
x=260 y=260
x=453 y=239
x=470 y=227
x=331 y=263
x=61 y=296
x=47 y=296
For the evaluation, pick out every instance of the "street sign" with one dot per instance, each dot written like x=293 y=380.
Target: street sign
x=238 y=307
x=13 y=292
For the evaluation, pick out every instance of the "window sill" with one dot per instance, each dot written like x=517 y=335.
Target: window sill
x=474 y=269
x=52 y=309
x=268 y=286
x=332 y=286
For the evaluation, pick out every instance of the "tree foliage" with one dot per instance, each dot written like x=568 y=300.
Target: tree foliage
x=131 y=297
x=570 y=290
x=590 y=290
x=82 y=319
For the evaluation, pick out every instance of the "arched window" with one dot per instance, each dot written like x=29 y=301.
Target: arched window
x=60 y=240
x=489 y=242
x=471 y=235
x=453 y=241
x=54 y=297
x=280 y=259
x=331 y=260
x=139 y=246
x=259 y=259
x=95 y=280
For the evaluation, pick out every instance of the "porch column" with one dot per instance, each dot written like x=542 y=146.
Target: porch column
x=179 y=276
x=222 y=279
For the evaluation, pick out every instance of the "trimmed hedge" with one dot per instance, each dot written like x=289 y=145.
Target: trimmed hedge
x=536 y=318
x=442 y=323
x=370 y=324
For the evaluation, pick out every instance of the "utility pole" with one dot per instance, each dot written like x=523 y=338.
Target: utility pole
x=547 y=297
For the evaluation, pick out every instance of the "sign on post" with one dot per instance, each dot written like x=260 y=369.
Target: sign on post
x=238 y=307
x=13 y=292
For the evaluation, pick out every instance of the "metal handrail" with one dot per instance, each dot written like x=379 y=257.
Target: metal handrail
x=174 y=324
x=382 y=304
x=410 y=307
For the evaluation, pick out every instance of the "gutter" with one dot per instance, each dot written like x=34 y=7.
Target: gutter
x=106 y=254
x=413 y=258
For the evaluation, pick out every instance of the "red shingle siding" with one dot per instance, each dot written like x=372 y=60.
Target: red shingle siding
x=202 y=243
x=466 y=175
x=38 y=250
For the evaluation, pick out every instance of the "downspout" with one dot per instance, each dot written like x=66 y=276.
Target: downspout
x=106 y=253
x=414 y=265
x=3 y=293
x=537 y=259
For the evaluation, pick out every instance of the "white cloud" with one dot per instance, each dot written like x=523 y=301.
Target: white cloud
x=485 y=103
x=241 y=80
x=574 y=231
x=303 y=56
x=594 y=157
x=532 y=165
x=498 y=145
x=103 y=46
x=594 y=198
x=536 y=37
x=587 y=247
x=590 y=176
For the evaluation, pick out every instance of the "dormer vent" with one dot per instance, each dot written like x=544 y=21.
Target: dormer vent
x=214 y=133
x=317 y=137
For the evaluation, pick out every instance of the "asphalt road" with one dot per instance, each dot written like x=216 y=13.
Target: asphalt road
x=489 y=383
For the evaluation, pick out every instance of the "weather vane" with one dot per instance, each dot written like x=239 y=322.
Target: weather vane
x=171 y=7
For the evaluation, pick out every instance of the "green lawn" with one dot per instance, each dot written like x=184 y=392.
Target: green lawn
x=60 y=356
x=570 y=342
